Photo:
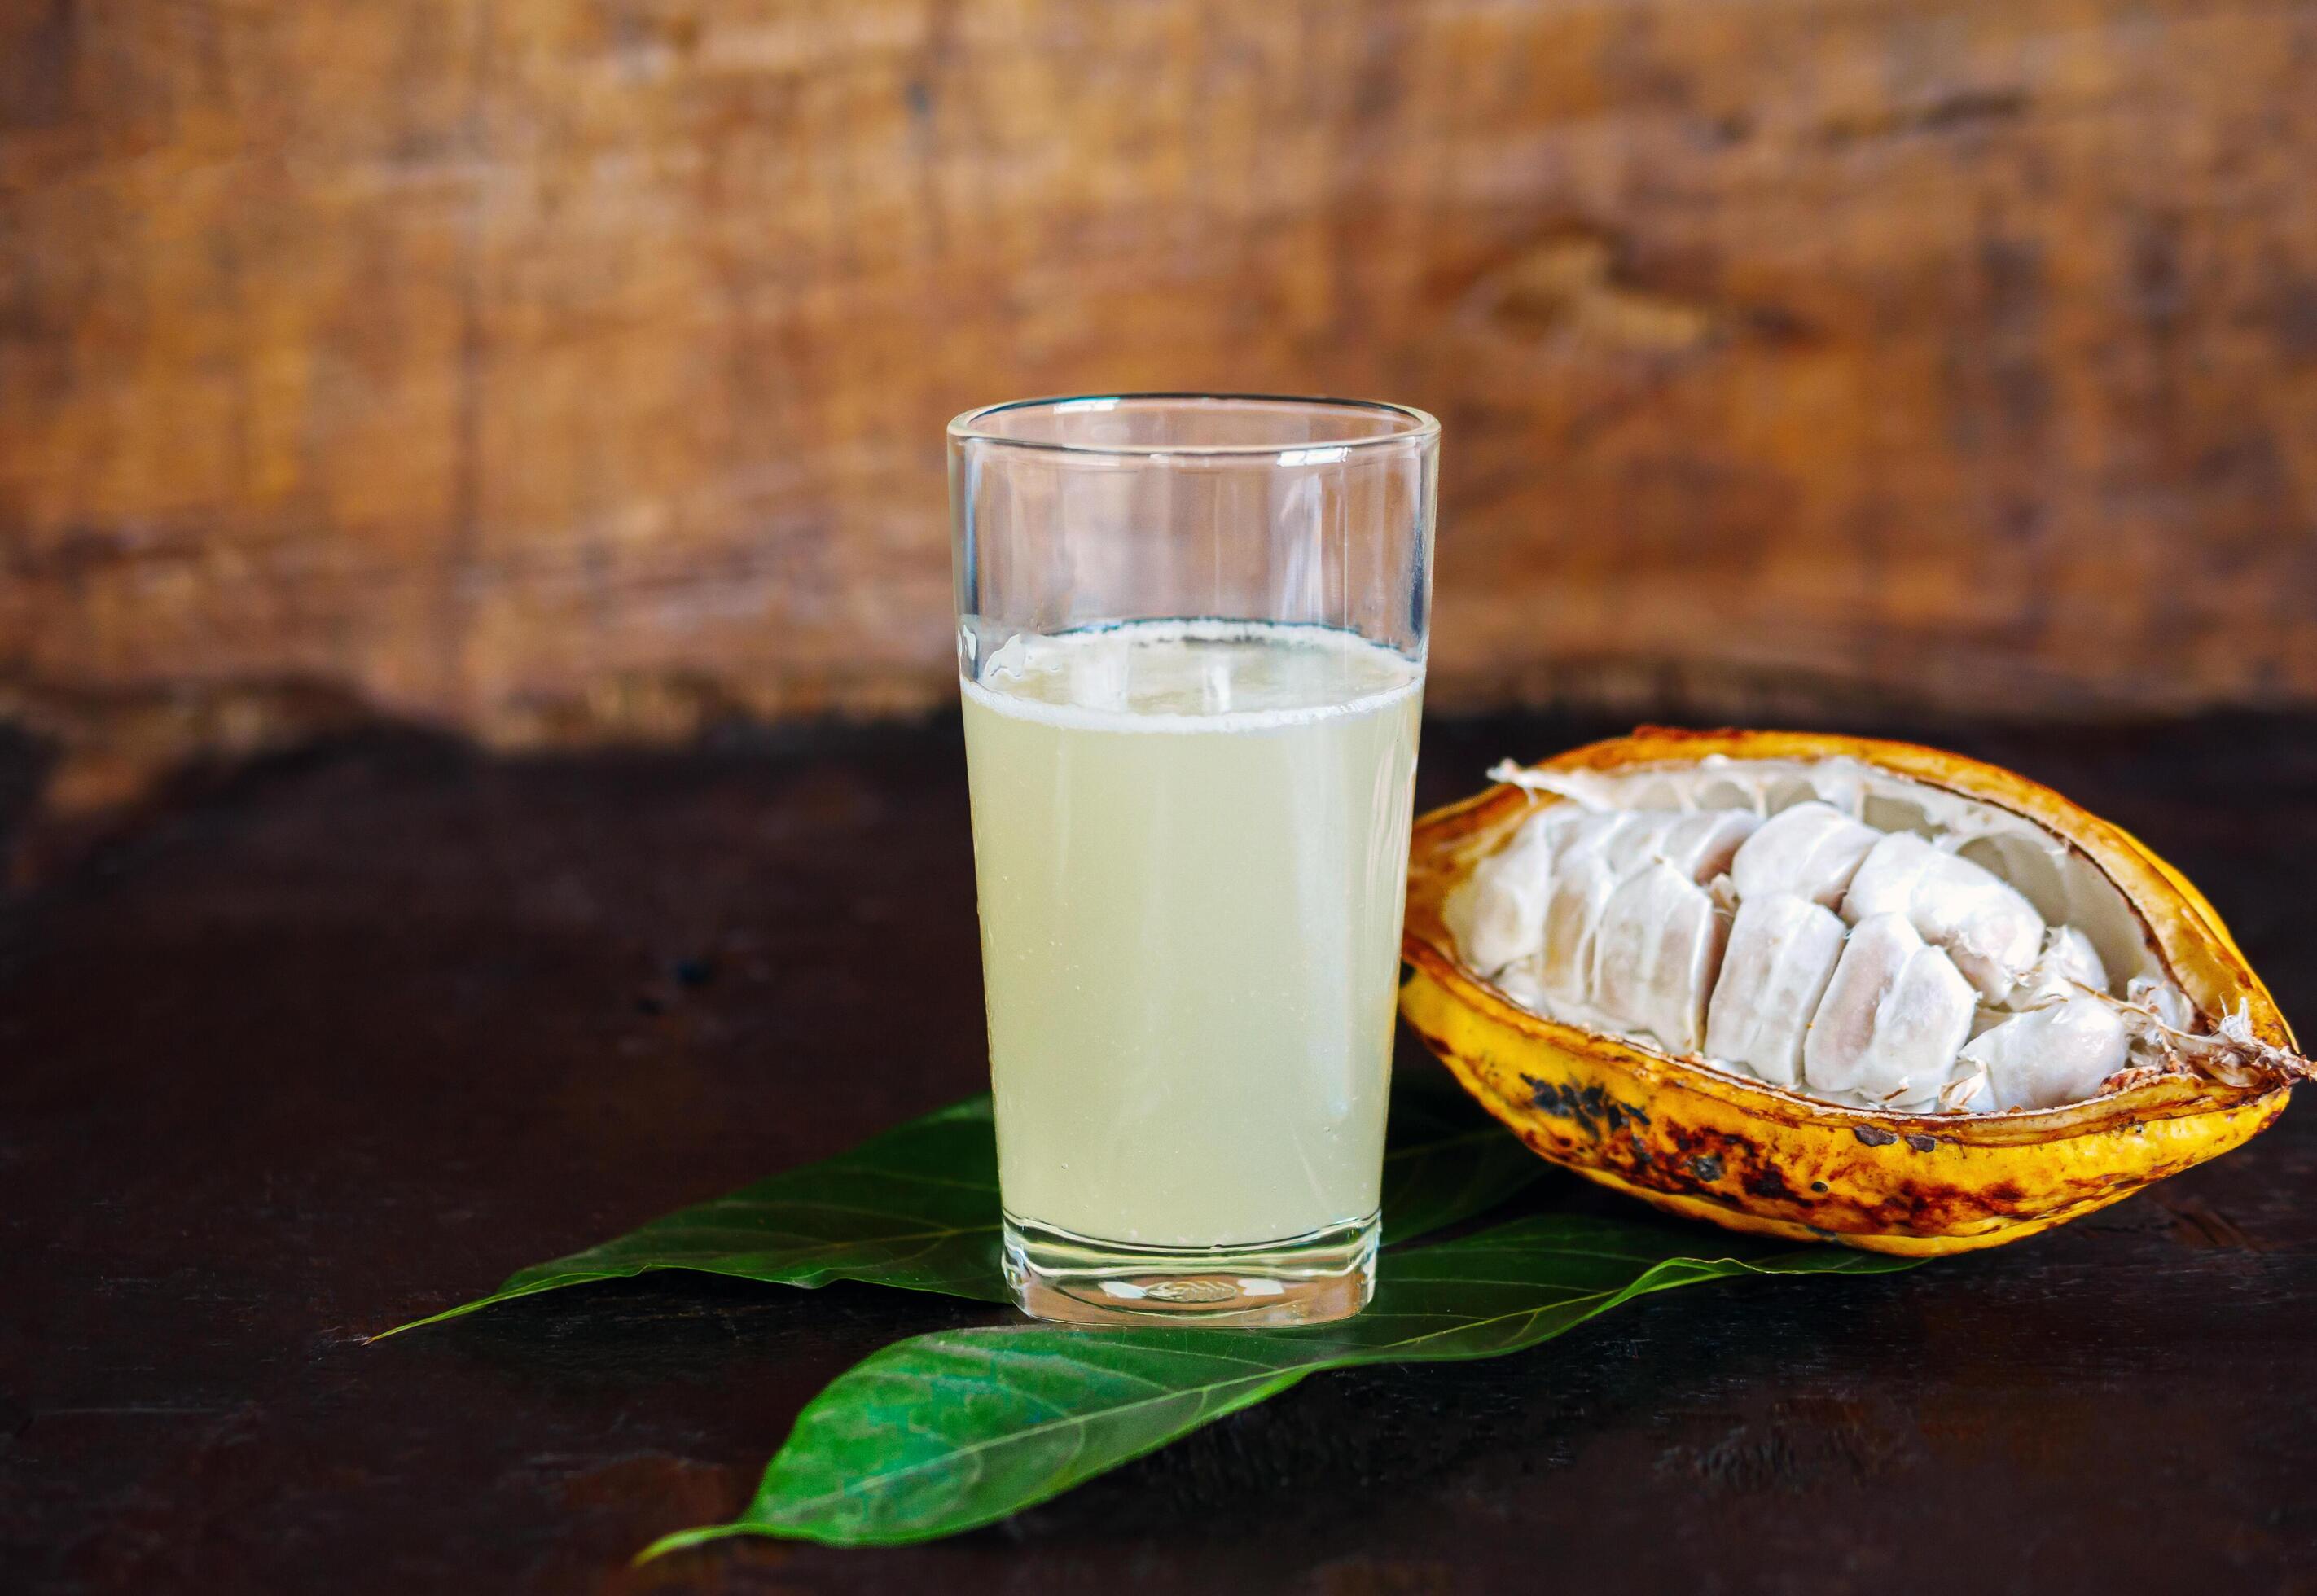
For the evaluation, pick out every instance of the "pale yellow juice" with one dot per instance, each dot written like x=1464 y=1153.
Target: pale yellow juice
x=1191 y=839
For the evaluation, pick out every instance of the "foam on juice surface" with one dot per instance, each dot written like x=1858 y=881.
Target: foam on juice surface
x=1188 y=675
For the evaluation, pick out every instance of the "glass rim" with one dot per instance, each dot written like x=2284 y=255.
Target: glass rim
x=966 y=426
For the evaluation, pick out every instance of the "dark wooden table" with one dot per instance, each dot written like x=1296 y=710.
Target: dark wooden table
x=352 y=1035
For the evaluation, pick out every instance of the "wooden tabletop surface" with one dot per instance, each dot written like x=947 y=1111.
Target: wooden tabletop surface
x=350 y=1037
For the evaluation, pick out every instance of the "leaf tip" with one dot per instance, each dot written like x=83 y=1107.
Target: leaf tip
x=450 y=1313
x=681 y=1541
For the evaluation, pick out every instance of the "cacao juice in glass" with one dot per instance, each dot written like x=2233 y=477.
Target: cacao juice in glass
x=1191 y=642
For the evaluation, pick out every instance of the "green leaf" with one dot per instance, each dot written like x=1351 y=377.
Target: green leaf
x=956 y=1429
x=916 y=1207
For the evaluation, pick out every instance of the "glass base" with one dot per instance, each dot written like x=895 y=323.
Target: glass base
x=1305 y=1279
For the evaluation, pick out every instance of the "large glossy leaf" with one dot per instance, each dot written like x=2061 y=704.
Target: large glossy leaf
x=950 y=1431
x=916 y=1207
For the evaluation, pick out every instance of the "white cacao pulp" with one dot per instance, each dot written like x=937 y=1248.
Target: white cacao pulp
x=1822 y=926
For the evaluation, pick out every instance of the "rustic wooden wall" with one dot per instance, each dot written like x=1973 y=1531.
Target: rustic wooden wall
x=562 y=367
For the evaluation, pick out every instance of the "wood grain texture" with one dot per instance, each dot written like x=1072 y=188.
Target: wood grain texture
x=553 y=371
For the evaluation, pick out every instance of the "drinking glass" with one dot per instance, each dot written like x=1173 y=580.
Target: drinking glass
x=1191 y=637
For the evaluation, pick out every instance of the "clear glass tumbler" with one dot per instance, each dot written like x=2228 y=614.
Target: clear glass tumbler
x=1191 y=636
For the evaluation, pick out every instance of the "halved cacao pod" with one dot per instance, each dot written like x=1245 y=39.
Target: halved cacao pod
x=1701 y=1142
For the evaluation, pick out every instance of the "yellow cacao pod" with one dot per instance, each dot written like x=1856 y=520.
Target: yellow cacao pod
x=1710 y=1143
